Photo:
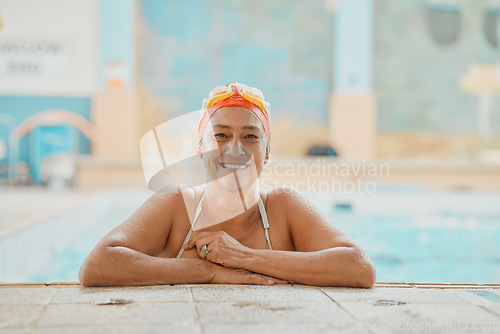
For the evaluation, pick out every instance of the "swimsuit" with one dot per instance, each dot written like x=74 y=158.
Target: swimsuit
x=263 y=214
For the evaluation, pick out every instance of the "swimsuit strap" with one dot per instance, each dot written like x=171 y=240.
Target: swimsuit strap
x=196 y=215
x=263 y=214
x=265 y=222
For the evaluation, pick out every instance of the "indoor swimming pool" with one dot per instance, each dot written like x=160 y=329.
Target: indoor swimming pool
x=411 y=235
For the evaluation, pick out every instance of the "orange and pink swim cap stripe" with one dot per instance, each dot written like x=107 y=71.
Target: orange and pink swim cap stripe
x=235 y=100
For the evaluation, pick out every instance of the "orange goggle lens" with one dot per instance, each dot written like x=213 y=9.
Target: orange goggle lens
x=252 y=95
x=218 y=94
x=256 y=97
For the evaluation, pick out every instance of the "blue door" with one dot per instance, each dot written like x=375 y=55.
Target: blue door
x=46 y=141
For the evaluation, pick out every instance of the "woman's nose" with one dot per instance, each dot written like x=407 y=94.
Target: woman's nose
x=234 y=148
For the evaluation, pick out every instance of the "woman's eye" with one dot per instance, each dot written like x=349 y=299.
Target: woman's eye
x=220 y=135
x=252 y=137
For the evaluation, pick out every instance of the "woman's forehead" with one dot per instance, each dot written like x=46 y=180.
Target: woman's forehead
x=236 y=117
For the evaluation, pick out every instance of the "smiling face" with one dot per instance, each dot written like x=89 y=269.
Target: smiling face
x=234 y=144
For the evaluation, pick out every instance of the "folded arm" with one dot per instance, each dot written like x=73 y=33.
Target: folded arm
x=122 y=266
x=128 y=255
x=339 y=266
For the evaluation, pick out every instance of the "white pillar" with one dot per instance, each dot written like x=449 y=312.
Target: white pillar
x=115 y=108
x=352 y=108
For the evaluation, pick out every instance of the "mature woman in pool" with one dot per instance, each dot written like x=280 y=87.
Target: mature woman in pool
x=228 y=231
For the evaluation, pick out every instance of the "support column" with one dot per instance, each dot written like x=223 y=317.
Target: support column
x=115 y=107
x=353 y=103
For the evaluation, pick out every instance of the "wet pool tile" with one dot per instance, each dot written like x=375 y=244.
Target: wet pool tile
x=406 y=295
x=294 y=328
x=428 y=318
x=258 y=312
x=491 y=295
x=25 y=295
x=149 y=329
x=78 y=315
x=161 y=293
x=478 y=296
x=16 y=316
x=224 y=293
x=15 y=331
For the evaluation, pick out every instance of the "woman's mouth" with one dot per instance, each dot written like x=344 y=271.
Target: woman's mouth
x=233 y=166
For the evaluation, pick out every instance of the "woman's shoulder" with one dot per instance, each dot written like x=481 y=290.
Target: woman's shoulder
x=174 y=196
x=284 y=196
x=283 y=191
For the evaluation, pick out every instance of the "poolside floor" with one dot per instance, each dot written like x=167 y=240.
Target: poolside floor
x=386 y=308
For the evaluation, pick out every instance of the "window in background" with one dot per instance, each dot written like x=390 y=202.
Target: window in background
x=443 y=20
x=491 y=23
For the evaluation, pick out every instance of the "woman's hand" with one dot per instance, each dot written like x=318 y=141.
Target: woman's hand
x=221 y=247
x=223 y=275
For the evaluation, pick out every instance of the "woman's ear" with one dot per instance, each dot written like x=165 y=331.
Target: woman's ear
x=199 y=150
x=266 y=159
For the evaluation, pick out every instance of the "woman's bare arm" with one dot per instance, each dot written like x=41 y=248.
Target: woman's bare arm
x=325 y=255
x=338 y=266
x=128 y=254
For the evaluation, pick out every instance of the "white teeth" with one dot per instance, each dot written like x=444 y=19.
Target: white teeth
x=233 y=166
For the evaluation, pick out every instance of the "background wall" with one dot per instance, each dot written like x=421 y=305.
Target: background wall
x=416 y=79
x=282 y=47
x=70 y=26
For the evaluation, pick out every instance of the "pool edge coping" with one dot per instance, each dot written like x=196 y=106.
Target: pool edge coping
x=419 y=285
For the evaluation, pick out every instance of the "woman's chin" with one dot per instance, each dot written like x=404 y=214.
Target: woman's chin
x=228 y=183
x=233 y=180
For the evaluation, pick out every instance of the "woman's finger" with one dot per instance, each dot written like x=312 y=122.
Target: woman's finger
x=265 y=280
x=206 y=240
x=190 y=244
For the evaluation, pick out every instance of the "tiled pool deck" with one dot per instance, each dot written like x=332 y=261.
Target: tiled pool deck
x=386 y=308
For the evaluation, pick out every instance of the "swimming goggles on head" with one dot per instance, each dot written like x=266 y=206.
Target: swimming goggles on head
x=250 y=94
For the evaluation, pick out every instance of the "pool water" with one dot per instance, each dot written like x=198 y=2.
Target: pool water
x=429 y=248
x=414 y=237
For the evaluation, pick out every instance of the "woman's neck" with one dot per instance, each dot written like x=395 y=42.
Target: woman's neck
x=234 y=208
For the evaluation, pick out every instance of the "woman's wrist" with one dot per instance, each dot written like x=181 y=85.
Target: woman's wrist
x=207 y=270
x=250 y=258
